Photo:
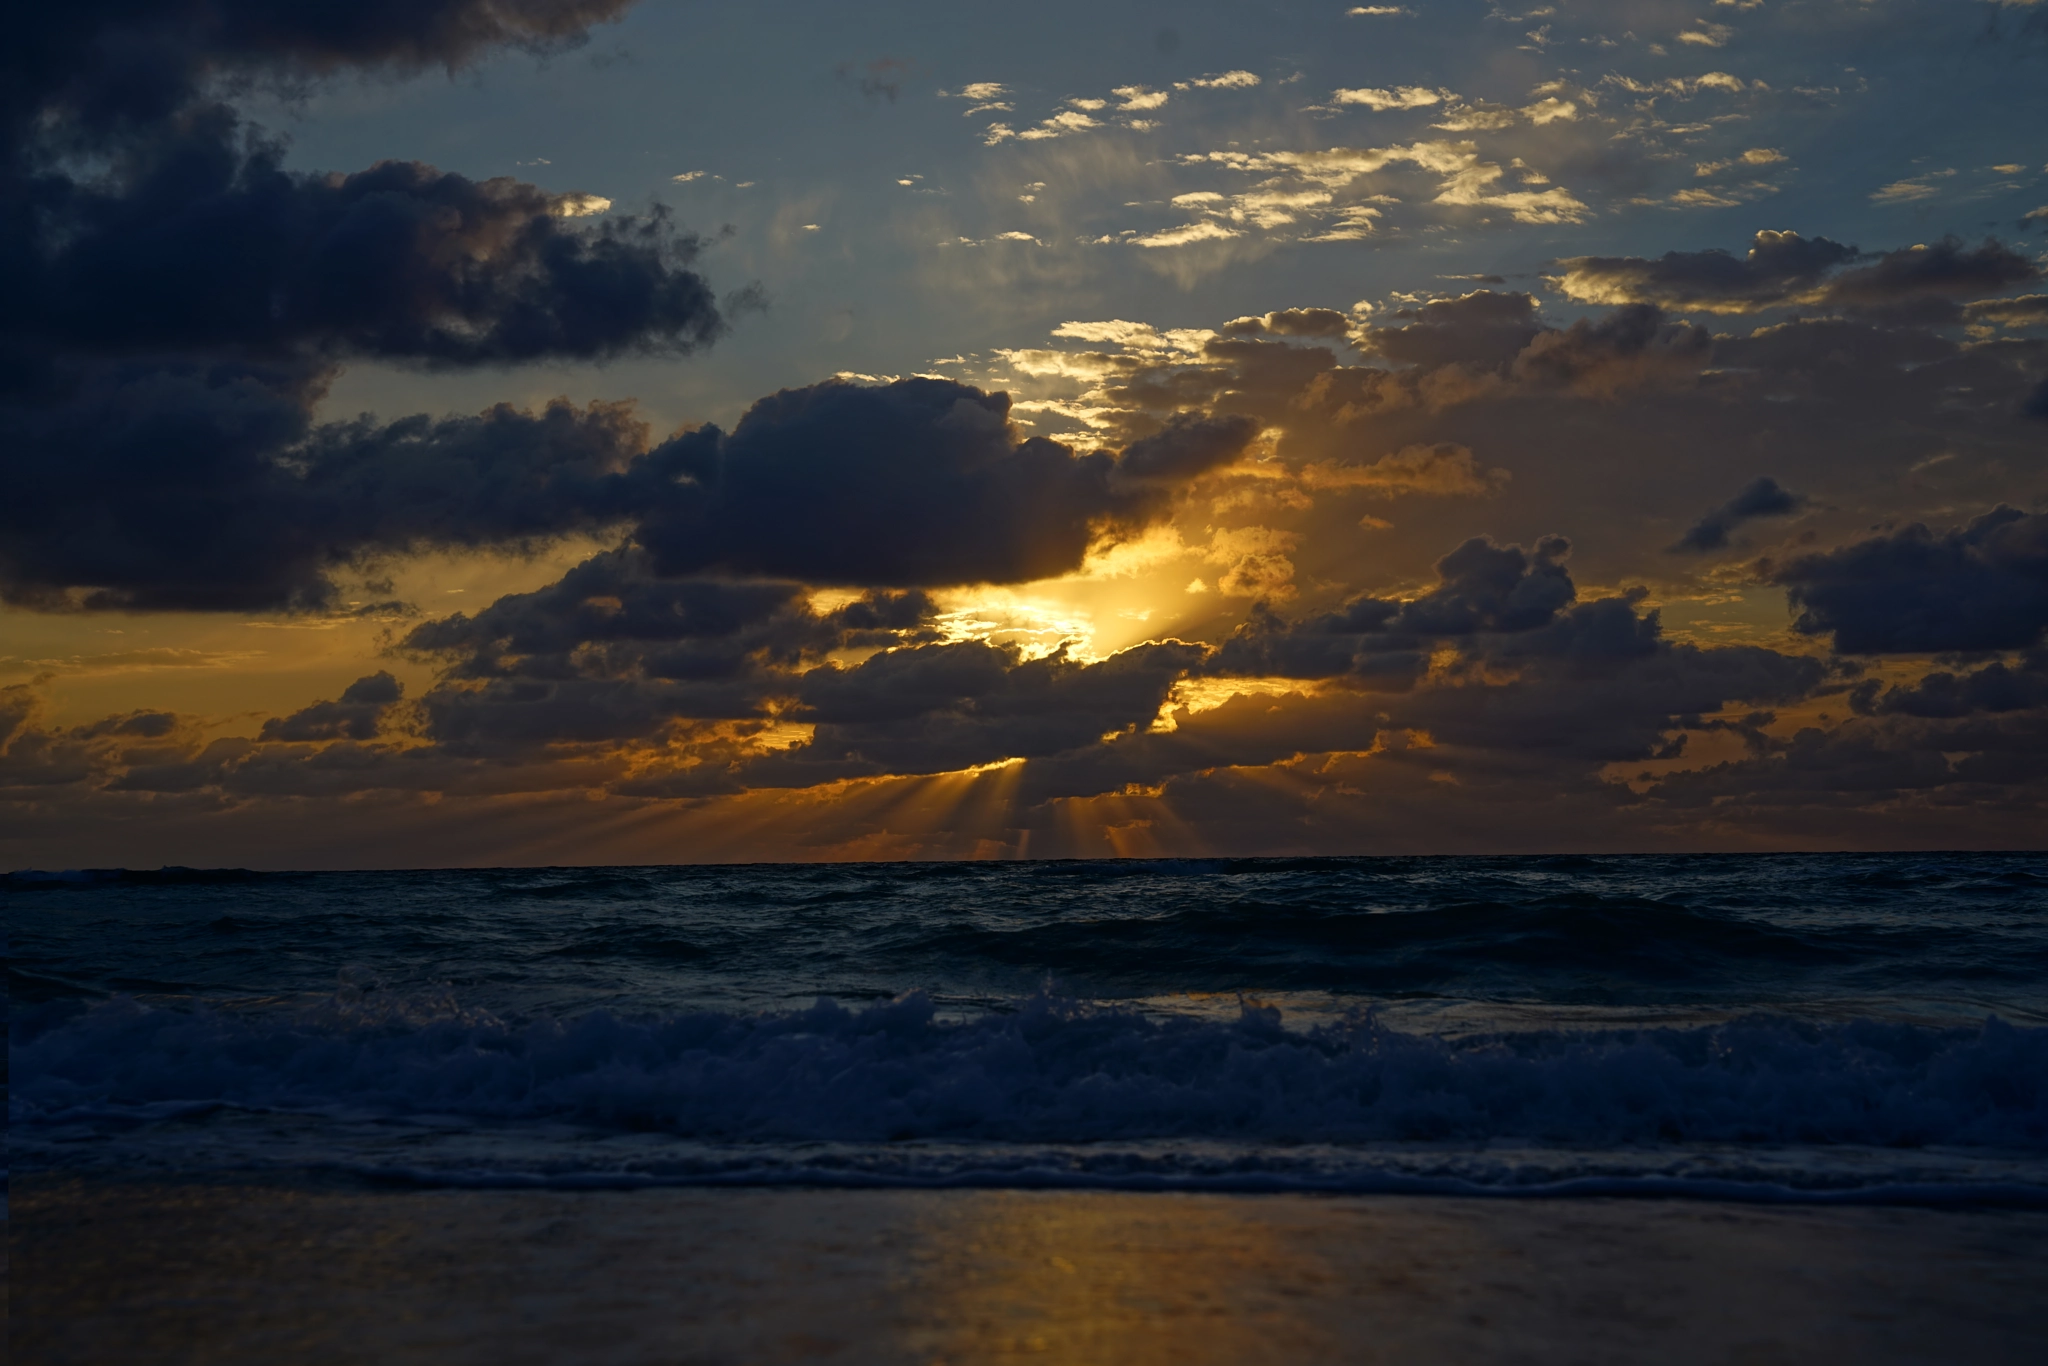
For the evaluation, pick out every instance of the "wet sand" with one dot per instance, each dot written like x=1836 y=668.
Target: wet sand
x=120 y=1271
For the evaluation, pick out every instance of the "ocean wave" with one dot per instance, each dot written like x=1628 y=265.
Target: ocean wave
x=1046 y=1071
x=1631 y=939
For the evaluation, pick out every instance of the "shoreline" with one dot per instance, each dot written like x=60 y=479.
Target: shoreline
x=106 y=1270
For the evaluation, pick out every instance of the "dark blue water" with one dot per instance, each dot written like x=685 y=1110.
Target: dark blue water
x=1806 y=1026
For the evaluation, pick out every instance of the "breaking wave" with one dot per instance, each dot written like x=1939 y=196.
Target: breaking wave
x=1045 y=1071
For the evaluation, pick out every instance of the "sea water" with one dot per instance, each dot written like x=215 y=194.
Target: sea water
x=1805 y=1027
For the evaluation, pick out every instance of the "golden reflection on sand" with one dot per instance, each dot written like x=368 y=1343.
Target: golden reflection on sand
x=1017 y=1275
x=112 y=1271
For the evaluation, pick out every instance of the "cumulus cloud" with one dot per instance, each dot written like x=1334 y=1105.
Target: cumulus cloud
x=400 y=261
x=1981 y=586
x=1636 y=344
x=1482 y=588
x=1291 y=322
x=921 y=482
x=1485 y=329
x=173 y=315
x=208 y=488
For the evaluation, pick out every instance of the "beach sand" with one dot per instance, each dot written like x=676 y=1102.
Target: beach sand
x=132 y=1271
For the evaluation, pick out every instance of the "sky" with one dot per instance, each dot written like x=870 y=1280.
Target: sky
x=488 y=432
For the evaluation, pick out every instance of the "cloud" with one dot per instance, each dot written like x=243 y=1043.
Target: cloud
x=400 y=261
x=197 y=238
x=1684 y=87
x=1783 y=268
x=1406 y=97
x=941 y=708
x=104 y=68
x=1943 y=269
x=1912 y=189
x=1636 y=344
x=1444 y=469
x=983 y=97
x=1188 y=446
x=915 y=483
x=1228 y=80
x=1779 y=267
x=1982 y=586
x=1995 y=689
x=178 y=303
x=1291 y=322
x=1482 y=588
x=1485 y=329
x=1755 y=156
x=207 y=487
x=1185 y=235
x=1760 y=497
x=1466 y=181
x=2028 y=310
x=356 y=716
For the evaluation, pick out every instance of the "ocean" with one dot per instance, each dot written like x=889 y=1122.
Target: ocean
x=1820 y=1028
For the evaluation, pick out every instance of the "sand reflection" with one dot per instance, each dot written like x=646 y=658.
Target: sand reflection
x=1006 y=1275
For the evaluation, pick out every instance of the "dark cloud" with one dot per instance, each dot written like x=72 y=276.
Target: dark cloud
x=207 y=248
x=922 y=482
x=173 y=303
x=1483 y=587
x=357 y=715
x=1522 y=714
x=160 y=486
x=1983 y=586
x=1917 y=284
x=1483 y=329
x=109 y=65
x=1930 y=778
x=612 y=616
x=1188 y=446
x=1779 y=267
x=1997 y=687
x=193 y=236
x=1760 y=497
x=614 y=652
x=1632 y=345
x=155 y=487
x=940 y=708
x=2036 y=403
x=1944 y=270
